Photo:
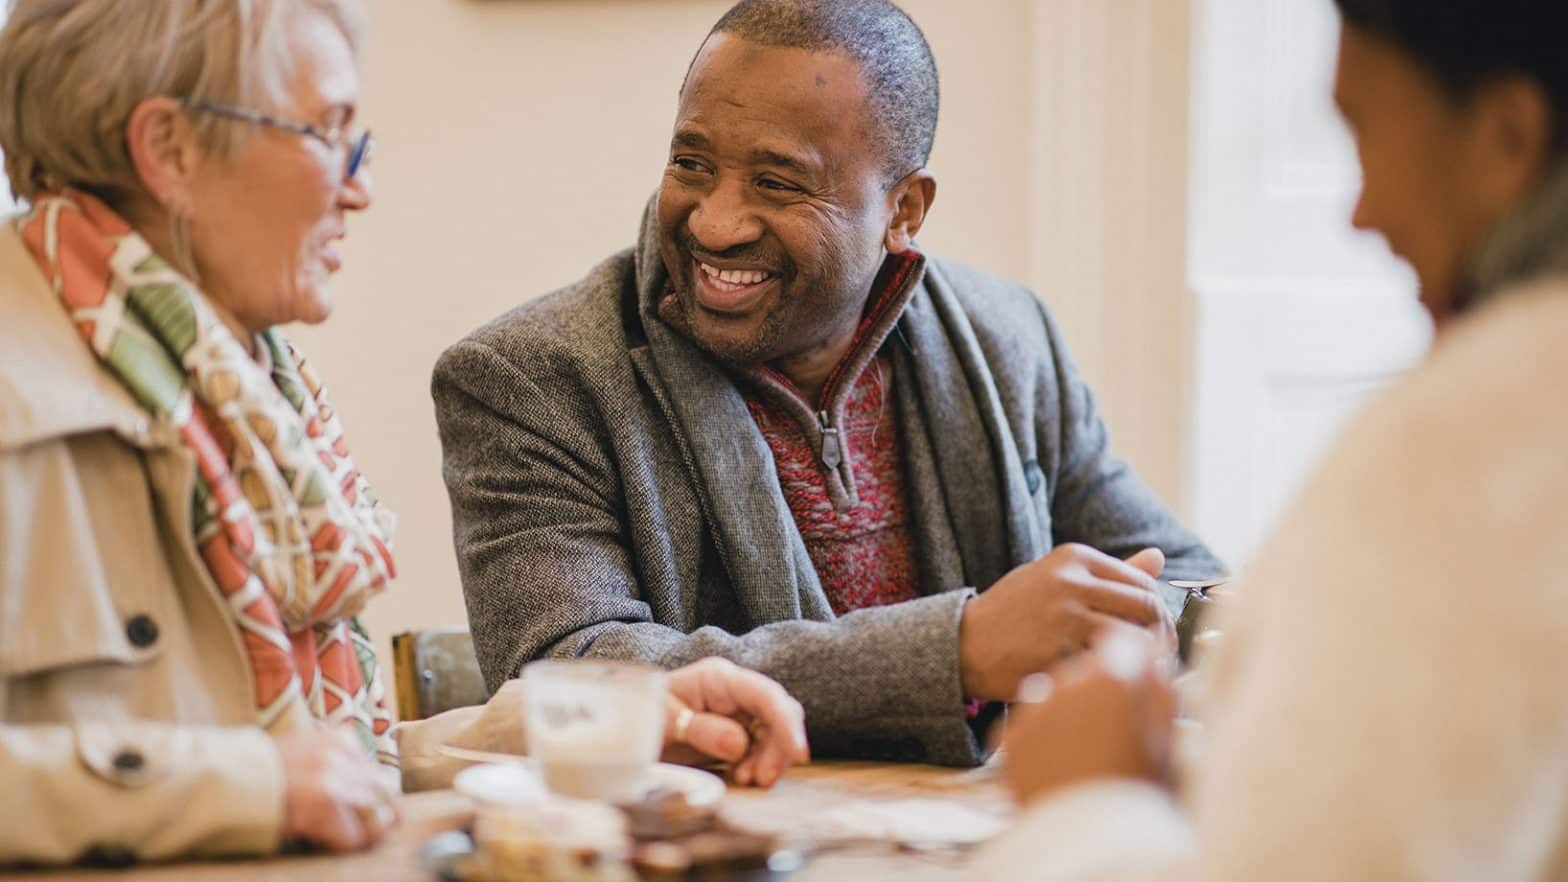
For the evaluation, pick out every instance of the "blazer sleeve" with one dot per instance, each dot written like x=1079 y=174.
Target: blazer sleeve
x=1096 y=497
x=548 y=570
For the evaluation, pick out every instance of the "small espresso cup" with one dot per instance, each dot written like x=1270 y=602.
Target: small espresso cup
x=595 y=728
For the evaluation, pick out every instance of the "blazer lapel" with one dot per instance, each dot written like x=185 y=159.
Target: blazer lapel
x=733 y=469
x=976 y=458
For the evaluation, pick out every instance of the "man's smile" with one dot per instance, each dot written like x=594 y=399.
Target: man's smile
x=729 y=290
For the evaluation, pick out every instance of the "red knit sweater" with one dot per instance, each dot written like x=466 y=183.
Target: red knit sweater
x=863 y=556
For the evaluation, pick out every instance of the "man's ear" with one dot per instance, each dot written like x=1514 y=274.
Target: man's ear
x=164 y=150
x=1517 y=130
x=911 y=199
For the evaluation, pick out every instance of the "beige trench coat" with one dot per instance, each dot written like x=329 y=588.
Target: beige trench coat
x=126 y=716
x=127 y=725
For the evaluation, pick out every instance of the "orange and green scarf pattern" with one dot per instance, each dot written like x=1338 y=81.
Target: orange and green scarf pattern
x=287 y=526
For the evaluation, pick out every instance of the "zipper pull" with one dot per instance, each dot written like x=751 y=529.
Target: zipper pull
x=832 y=454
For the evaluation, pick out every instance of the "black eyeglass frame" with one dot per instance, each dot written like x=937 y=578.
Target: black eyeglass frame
x=360 y=146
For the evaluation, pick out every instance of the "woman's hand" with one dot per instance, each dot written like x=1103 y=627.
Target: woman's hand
x=335 y=797
x=1108 y=712
x=719 y=710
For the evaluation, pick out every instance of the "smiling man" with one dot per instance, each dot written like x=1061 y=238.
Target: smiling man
x=774 y=431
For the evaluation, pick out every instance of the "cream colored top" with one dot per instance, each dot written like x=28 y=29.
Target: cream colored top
x=1390 y=701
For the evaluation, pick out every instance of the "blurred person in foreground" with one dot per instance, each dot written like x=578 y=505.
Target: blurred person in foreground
x=1387 y=702
x=776 y=431
x=184 y=539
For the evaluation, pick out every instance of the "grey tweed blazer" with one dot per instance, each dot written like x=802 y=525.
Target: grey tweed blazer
x=613 y=498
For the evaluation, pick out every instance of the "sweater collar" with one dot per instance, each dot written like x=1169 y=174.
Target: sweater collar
x=822 y=421
x=894 y=286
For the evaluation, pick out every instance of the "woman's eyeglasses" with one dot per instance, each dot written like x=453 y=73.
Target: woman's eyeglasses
x=359 y=146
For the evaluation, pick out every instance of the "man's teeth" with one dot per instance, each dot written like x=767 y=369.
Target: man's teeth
x=739 y=278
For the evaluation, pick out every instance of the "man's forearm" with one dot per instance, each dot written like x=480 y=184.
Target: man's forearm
x=880 y=683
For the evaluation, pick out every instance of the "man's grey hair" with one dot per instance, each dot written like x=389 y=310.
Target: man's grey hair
x=894 y=58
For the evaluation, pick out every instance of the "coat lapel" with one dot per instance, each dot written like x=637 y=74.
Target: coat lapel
x=975 y=457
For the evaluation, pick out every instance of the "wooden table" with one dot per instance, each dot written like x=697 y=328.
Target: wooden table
x=904 y=799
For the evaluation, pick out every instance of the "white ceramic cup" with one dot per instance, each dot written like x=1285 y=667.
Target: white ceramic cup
x=595 y=727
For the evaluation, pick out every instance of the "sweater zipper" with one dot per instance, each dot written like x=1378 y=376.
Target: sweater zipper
x=832 y=453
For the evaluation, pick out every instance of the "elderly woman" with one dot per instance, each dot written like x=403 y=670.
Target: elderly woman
x=184 y=538
x=1388 y=701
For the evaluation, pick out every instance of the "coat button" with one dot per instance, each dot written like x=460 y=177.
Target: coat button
x=129 y=761
x=142 y=631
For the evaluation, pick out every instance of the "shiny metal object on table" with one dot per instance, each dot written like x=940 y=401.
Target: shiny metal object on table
x=1201 y=598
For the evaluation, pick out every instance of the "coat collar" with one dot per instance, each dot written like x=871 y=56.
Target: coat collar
x=51 y=386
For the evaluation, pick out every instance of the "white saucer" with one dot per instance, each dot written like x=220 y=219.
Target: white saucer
x=512 y=779
x=500 y=784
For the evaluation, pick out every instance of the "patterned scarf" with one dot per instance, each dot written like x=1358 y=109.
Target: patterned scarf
x=287 y=526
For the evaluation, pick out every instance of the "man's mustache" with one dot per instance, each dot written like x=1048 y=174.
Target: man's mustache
x=752 y=254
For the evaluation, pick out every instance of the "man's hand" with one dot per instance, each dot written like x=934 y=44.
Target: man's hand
x=737 y=716
x=335 y=797
x=1103 y=714
x=1045 y=611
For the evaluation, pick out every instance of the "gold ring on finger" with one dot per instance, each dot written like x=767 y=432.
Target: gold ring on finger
x=683 y=724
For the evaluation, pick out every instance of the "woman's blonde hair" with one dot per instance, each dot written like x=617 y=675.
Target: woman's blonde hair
x=71 y=72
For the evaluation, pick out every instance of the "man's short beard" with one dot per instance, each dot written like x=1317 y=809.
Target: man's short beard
x=732 y=353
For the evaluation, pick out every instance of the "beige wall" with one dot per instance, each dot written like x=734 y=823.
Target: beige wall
x=1108 y=224
x=520 y=140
